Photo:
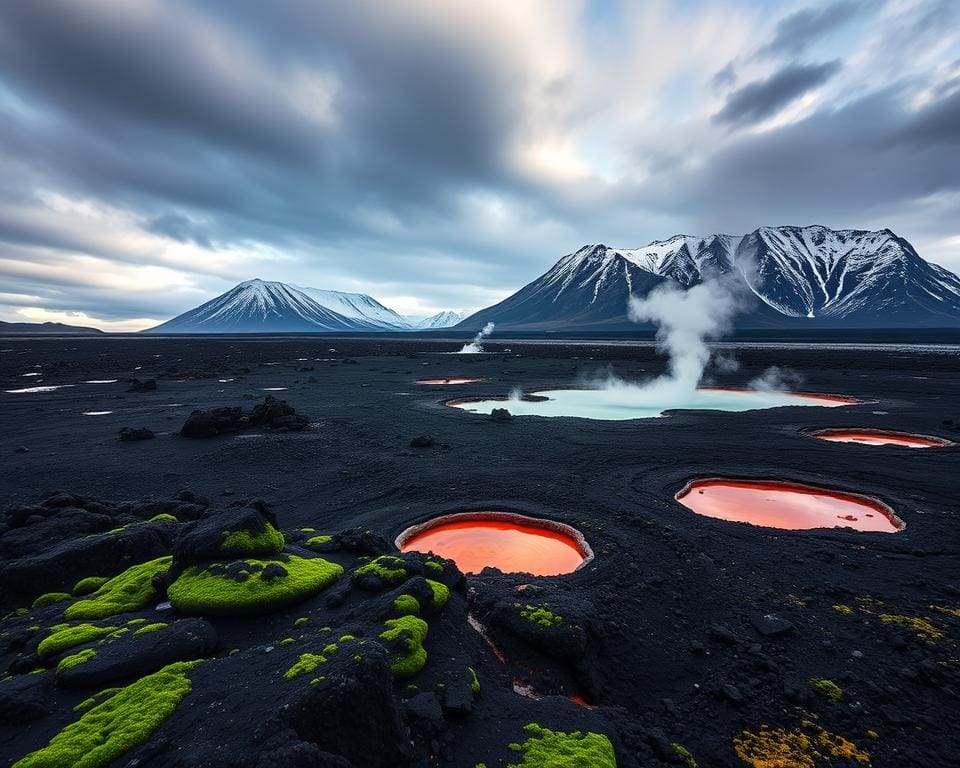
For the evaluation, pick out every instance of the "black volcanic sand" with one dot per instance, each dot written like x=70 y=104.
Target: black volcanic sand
x=683 y=630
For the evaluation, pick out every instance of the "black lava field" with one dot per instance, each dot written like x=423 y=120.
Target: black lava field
x=219 y=584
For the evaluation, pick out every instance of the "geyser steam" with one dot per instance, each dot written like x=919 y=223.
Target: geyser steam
x=685 y=320
x=476 y=346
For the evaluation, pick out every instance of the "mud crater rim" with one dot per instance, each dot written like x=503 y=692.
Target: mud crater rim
x=899 y=439
x=757 y=484
x=521 y=520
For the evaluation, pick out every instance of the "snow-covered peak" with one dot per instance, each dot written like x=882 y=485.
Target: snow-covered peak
x=358 y=306
x=445 y=319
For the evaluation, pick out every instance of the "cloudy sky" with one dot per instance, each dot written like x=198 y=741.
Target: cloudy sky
x=439 y=154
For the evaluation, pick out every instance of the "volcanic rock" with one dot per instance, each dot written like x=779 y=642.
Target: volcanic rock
x=423 y=441
x=500 y=415
x=133 y=434
x=25 y=698
x=136 y=385
x=771 y=625
x=208 y=537
x=134 y=654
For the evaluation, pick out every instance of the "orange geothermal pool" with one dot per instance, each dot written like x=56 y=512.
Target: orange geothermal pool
x=791 y=506
x=510 y=542
x=454 y=380
x=880 y=437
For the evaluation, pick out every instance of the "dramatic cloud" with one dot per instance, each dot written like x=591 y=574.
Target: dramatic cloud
x=440 y=154
x=762 y=98
x=794 y=33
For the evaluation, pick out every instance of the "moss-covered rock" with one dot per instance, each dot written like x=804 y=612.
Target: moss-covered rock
x=404 y=638
x=826 y=688
x=89 y=585
x=49 y=598
x=76 y=659
x=250 y=587
x=266 y=541
x=549 y=749
x=406 y=605
x=382 y=570
x=63 y=638
x=440 y=594
x=113 y=727
x=130 y=591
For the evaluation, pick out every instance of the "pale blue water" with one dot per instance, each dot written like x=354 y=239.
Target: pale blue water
x=620 y=403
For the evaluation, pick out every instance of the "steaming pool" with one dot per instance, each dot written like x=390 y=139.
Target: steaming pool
x=790 y=506
x=621 y=403
x=508 y=541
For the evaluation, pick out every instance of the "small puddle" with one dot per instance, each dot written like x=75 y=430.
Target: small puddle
x=97 y=413
x=510 y=542
x=880 y=437
x=621 y=403
x=101 y=381
x=790 y=506
x=455 y=380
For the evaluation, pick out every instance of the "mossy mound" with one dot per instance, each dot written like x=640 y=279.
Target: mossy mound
x=550 y=749
x=62 y=638
x=89 y=585
x=385 y=569
x=250 y=587
x=266 y=541
x=76 y=659
x=406 y=605
x=125 y=720
x=404 y=636
x=130 y=591
x=49 y=598
x=163 y=517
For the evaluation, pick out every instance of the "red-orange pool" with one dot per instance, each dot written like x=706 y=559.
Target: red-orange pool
x=880 y=437
x=792 y=506
x=455 y=380
x=510 y=542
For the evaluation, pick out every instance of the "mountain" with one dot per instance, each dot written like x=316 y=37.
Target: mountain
x=260 y=306
x=445 y=319
x=360 y=307
x=54 y=329
x=797 y=277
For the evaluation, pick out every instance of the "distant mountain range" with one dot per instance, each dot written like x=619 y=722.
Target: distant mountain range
x=53 y=329
x=793 y=277
x=261 y=306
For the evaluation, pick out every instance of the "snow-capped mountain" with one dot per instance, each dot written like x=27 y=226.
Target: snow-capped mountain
x=798 y=277
x=261 y=306
x=359 y=306
x=446 y=319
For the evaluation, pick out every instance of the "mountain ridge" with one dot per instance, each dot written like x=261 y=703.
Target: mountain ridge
x=797 y=277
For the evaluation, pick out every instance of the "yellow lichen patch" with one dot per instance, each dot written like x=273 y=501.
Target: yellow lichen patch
x=846 y=610
x=868 y=604
x=794 y=601
x=921 y=627
x=955 y=612
x=808 y=746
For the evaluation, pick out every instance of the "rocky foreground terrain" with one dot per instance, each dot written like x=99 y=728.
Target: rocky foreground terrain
x=218 y=585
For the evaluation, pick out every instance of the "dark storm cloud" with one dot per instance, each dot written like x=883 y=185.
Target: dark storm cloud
x=178 y=227
x=761 y=99
x=724 y=78
x=795 y=32
x=871 y=158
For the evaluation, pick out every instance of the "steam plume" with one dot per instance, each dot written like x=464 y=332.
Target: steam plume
x=476 y=345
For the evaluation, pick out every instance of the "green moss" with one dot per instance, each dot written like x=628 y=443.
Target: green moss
x=64 y=637
x=163 y=517
x=406 y=634
x=89 y=584
x=474 y=682
x=33 y=628
x=146 y=629
x=239 y=588
x=685 y=755
x=552 y=749
x=130 y=591
x=97 y=698
x=49 y=598
x=122 y=722
x=244 y=542
x=540 y=614
x=76 y=659
x=406 y=605
x=308 y=530
x=826 y=687
x=388 y=568
x=307 y=663
x=301 y=621
x=286 y=641
x=440 y=594
x=433 y=567
x=134 y=622
x=317 y=541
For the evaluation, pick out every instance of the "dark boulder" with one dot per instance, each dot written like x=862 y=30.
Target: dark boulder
x=247 y=529
x=25 y=698
x=136 y=385
x=500 y=415
x=216 y=421
x=133 y=434
x=277 y=415
x=423 y=441
x=133 y=655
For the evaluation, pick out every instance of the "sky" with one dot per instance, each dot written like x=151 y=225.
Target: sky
x=438 y=154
